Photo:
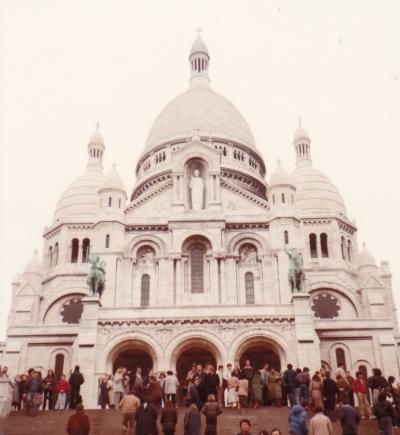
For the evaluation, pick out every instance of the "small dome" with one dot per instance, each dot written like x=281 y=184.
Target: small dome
x=113 y=180
x=279 y=176
x=203 y=111
x=315 y=193
x=301 y=133
x=96 y=137
x=199 y=46
x=365 y=258
x=80 y=199
x=34 y=265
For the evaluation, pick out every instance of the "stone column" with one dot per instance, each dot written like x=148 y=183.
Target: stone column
x=86 y=349
x=308 y=351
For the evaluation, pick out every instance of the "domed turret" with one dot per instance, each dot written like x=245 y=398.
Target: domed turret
x=281 y=189
x=366 y=261
x=33 y=266
x=315 y=193
x=112 y=191
x=80 y=200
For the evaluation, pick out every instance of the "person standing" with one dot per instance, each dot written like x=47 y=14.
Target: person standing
x=257 y=390
x=303 y=379
x=137 y=383
x=62 y=390
x=350 y=380
x=211 y=382
x=169 y=418
x=211 y=410
x=298 y=420
x=360 y=389
x=349 y=419
x=243 y=391
x=320 y=424
x=118 y=385
x=227 y=375
x=171 y=385
x=49 y=385
x=15 y=401
x=192 y=421
x=154 y=392
x=76 y=380
x=233 y=386
x=34 y=390
x=146 y=419
x=194 y=394
x=275 y=387
x=377 y=383
x=316 y=392
x=78 y=423
x=343 y=390
x=289 y=382
x=128 y=407
x=383 y=411
x=221 y=385
x=248 y=372
x=329 y=392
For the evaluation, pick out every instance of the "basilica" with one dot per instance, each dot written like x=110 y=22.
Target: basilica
x=197 y=259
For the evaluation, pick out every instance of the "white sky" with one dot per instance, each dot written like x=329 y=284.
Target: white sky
x=67 y=64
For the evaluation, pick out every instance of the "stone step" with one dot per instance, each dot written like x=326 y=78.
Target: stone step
x=108 y=422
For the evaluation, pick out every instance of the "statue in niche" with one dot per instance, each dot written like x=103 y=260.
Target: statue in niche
x=248 y=255
x=146 y=257
x=96 y=277
x=196 y=190
x=296 y=272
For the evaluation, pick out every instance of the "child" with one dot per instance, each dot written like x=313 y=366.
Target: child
x=62 y=388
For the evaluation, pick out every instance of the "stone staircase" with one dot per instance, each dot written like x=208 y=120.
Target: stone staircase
x=108 y=422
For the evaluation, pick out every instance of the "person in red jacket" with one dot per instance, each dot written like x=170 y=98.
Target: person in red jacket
x=78 y=423
x=62 y=389
x=360 y=389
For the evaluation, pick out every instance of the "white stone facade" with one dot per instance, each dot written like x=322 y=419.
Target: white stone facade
x=179 y=279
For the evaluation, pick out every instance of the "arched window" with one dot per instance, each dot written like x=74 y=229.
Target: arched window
x=324 y=245
x=340 y=357
x=249 y=286
x=55 y=255
x=286 y=237
x=50 y=256
x=343 y=247
x=313 y=245
x=197 y=269
x=283 y=198
x=85 y=250
x=109 y=201
x=145 y=291
x=59 y=366
x=74 y=250
x=107 y=241
x=349 y=250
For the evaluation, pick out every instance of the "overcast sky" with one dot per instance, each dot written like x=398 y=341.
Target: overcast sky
x=67 y=64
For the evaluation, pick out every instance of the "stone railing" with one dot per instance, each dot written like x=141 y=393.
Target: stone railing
x=5 y=396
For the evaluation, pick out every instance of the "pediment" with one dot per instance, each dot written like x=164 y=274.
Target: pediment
x=153 y=203
x=234 y=198
x=27 y=290
x=196 y=149
x=372 y=283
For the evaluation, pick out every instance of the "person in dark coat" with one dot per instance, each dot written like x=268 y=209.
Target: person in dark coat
x=211 y=410
x=169 y=418
x=384 y=412
x=154 y=392
x=289 y=382
x=49 y=385
x=194 y=394
x=298 y=420
x=211 y=382
x=349 y=419
x=377 y=383
x=146 y=419
x=192 y=421
x=104 y=398
x=33 y=390
x=329 y=391
x=75 y=380
x=78 y=423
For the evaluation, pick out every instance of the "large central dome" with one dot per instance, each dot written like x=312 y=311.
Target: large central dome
x=199 y=111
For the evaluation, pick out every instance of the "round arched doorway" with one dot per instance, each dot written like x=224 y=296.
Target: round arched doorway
x=132 y=354
x=259 y=351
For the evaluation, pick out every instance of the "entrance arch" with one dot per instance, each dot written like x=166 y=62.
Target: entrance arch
x=260 y=351
x=131 y=354
x=194 y=350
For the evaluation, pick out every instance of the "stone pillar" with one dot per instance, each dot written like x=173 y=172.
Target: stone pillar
x=86 y=349
x=308 y=351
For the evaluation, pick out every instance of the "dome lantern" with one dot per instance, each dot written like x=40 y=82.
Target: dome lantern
x=199 y=60
x=302 y=144
x=96 y=148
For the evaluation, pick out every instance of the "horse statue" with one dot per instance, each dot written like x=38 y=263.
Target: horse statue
x=96 y=276
x=296 y=273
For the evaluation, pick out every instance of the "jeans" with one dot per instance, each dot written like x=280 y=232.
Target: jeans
x=62 y=397
x=292 y=396
x=48 y=396
x=303 y=392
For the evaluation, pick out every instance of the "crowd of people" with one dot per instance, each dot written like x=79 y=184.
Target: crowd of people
x=144 y=399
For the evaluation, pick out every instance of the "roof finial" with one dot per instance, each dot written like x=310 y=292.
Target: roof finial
x=300 y=125
x=97 y=127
